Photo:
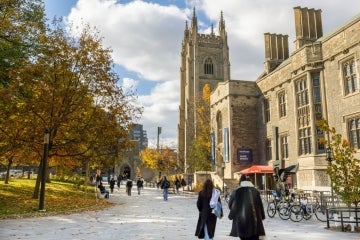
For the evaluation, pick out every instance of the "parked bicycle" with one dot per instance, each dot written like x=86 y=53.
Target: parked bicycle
x=305 y=209
x=276 y=204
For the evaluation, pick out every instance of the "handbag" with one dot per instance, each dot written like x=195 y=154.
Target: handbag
x=218 y=211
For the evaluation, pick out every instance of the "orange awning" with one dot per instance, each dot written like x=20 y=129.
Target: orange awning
x=257 y=169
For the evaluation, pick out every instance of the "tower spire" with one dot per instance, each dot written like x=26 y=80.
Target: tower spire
x=221 y=23
x=194 y=21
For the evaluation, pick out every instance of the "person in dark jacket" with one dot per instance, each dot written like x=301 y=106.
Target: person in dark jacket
x=139 y=184
x=112 y=184
x=205 y=228
x=103 y=190
x=129 y=185
x=247 y=222
x=165 y=185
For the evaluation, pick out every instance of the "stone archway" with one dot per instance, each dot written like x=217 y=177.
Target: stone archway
x=126 y=172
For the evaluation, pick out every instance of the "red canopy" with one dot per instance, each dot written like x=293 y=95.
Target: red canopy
x=257 y=169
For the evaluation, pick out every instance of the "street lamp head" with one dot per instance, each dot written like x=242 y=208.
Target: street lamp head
x=329 y=156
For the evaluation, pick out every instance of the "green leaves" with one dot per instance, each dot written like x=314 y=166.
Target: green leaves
x=344 y=170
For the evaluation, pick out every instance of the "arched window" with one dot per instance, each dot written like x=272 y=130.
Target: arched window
x=208 y=67
x=219 y=127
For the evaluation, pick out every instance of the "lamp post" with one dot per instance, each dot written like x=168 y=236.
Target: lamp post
x=223 y=176
x=43 y=169
x=329 y=159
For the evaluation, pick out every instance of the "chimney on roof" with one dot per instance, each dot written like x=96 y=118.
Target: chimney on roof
x=308 y=26
x=276 y=50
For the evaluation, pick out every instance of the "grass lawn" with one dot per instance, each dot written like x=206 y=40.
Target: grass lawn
x=16 y=198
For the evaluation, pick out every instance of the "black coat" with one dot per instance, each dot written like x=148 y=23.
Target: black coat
x=205 y=217
x=246 y=224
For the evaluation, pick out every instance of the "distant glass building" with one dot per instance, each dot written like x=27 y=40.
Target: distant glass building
x=139 y=134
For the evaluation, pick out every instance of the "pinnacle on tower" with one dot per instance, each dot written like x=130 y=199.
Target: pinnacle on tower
x=221 y=23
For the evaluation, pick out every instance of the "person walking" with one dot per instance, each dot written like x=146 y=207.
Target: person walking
x=177 y=184
x=183 y=184
x=139 y=184
x=119 y=178
x=246 y=212
x=165 y=184
x=206 y=224
x=112 y=184
x=128 y=187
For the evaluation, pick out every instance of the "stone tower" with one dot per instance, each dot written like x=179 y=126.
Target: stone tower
x=204 y=60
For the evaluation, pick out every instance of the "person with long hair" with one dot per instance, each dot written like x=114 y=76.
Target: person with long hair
x=206 y=224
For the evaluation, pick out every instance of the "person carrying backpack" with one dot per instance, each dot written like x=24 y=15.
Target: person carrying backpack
x=165 y=187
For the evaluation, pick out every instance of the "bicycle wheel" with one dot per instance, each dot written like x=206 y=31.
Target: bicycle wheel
x=307 y=211
x=296 y=213
x=320 y=213
x=284 y=212
x=271 y=209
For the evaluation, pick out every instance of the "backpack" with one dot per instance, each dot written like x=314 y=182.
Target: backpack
x=166 y=184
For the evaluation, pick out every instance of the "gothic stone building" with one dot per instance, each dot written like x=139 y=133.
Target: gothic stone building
x=204 y=60
x=274 y=117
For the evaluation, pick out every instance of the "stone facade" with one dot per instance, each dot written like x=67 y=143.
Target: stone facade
x=274 y=118
x=316 y=66
x=204 y=60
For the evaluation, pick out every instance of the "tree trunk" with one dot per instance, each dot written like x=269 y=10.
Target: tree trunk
x=7 y=176
x=37 y=184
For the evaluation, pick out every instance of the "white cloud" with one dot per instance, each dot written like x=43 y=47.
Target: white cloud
x=146 y=39
x=129 y=84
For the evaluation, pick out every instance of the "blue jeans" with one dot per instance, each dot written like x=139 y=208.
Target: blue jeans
x=165 y=193
x=206 y=233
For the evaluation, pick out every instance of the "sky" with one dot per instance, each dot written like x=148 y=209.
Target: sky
x=146 y=37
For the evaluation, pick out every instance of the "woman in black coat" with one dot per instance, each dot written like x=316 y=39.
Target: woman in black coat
x=249 y=212
x=206 y=220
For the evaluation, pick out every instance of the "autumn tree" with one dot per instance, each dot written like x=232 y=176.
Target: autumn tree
x=22 y=25
x=71 y=88
x=162 y=160
x=199 y=158
x=344 y=169
x=22 y=22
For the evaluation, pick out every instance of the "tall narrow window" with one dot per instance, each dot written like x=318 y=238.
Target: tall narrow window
x=219 y=127
x=282 y=104
x=354 y=132
x=284 y=147
x=349 y=75
x=267 y=110
x=268 y=149
x=208 y=67
x=303 y=116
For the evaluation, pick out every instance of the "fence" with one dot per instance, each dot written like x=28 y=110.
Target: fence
x=345 y=216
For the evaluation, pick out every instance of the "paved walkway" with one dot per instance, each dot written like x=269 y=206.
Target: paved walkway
x=149 y=217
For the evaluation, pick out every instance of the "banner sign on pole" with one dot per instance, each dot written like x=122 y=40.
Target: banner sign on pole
x=212 y=139
x=226 y=144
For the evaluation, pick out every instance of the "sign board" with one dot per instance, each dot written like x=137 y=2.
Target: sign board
x=244 y=155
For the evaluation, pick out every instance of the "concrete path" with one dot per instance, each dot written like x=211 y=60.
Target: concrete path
x=148 y=216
